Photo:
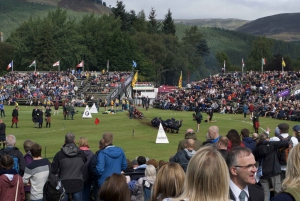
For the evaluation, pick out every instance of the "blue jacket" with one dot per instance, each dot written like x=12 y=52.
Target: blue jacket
x=110 y=160
x=245 y=108
x=249 y=143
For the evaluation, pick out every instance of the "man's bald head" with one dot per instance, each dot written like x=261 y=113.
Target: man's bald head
x=214 y=132
x=189 y=130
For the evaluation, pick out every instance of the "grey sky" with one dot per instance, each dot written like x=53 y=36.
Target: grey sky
x=199 y=9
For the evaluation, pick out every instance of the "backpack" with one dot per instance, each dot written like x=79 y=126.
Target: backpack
x=147 y=186
x=16 y=165
x=283 y=153
x=53 y=189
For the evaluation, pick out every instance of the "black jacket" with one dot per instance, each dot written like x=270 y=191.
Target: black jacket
x=256 y=193
x=68 y=163
x=267 y=153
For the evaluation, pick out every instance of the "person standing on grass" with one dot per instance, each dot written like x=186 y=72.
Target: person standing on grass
x=245 y=110
x=15 y=117
x=48 y=116
x=2 y=133
x=2 y=112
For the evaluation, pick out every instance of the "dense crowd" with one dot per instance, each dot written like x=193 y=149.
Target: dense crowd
x=44 y=88
x=227 y=93
x=247 y=164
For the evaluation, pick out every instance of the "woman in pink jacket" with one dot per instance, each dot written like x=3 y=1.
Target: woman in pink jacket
x=11 y=184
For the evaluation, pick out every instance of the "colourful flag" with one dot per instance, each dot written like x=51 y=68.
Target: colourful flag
x=283 y=63
x=134 y=64
x=81 y=64
x=180 y=81
x=134 y=80
x=263 y=61
x=10 y=65
x=243 y=64
x=33 y=64
x=97 y=121
x=56 y=63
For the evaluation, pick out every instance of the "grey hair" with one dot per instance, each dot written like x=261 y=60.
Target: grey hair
x=70 y=137
x=11 y=140
x=236 y=153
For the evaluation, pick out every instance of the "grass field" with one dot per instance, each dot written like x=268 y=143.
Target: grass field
x=143 y=141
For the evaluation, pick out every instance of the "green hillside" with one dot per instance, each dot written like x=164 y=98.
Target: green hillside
x=14 y=12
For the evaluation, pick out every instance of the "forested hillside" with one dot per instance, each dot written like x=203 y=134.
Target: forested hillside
x=162 y=49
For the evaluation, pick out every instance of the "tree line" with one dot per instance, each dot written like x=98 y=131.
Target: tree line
x=161 y=49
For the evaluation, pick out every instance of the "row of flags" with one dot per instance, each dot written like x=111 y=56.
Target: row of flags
x=33 y=64
x=264 y=61
x=80 y=65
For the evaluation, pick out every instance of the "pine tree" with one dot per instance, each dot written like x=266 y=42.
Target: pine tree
x=168 y=24
x=153 y=25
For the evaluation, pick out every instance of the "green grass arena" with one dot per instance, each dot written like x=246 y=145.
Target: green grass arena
x=123 y=128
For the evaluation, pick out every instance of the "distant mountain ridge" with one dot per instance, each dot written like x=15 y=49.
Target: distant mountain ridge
x=229 y=23
x=281 y=27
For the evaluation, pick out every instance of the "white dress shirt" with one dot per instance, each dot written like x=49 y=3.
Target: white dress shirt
x=237 y=191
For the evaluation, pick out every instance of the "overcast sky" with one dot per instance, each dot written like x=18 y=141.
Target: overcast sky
x=200 y=9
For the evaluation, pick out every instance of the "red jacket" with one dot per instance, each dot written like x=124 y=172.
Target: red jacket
x=8 y=188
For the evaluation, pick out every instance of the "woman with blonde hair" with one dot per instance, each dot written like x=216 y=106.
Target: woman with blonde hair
x=169 y=182
x=207 y=177
x=291 y=183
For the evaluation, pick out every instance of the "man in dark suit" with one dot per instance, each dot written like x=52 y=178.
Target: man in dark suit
x=241 y=164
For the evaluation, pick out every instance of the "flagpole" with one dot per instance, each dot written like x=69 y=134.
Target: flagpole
x=242 y=66
x=35 y=66
x=58 y=65
x=12 y=66
x=282 y=64
x=262 y=65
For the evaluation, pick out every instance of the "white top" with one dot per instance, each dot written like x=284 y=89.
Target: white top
x=237 y=191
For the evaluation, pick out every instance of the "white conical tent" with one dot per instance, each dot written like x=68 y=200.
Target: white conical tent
x=161 y=135
x=93 y=109
x=86 y=113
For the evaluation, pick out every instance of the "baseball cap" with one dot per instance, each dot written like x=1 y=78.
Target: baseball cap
x=296 y=128
x=283 y=127
x=277 y=131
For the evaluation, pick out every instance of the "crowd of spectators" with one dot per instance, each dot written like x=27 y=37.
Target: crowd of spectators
x=104 y=82
x=231 y=162
x=41 y=88
x=227 y=93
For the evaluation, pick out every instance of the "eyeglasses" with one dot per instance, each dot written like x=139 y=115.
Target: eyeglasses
x=248 y=167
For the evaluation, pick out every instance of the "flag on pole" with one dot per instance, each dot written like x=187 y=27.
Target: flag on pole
x=180 y=81
x=97 y=121
x=283 y=63
x=56 y=63
x=134 y=64
x=263 y=61
x=81 y=64
x=243 y=64
x=33 y=64
x=107 y=66
x=224 y=66
x=135 y=78
x=10 y=65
